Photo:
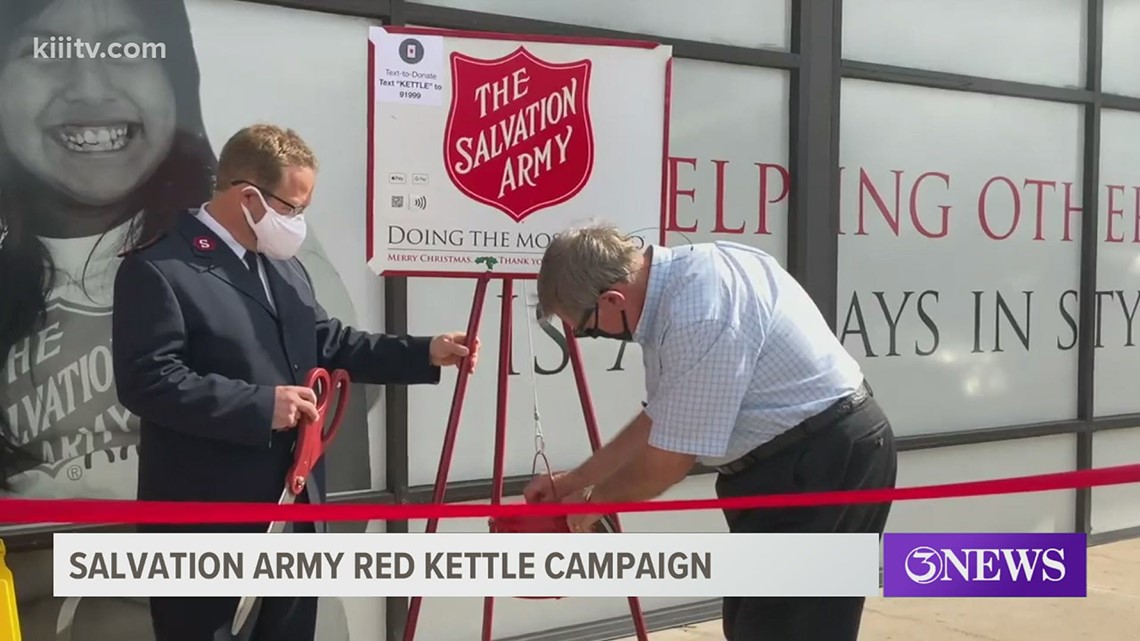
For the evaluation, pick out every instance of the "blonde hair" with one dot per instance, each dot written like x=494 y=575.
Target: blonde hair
x=581 y=263
x=260 y=154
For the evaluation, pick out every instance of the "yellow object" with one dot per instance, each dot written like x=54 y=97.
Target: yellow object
x=9 y=621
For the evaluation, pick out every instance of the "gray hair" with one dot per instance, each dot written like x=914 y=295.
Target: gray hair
x=581 y=263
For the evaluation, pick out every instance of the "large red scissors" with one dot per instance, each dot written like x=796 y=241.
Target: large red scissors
x=313 y=438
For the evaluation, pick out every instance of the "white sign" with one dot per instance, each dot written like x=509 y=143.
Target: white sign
x=466 y=565
x=482 y=148
x=409 y=68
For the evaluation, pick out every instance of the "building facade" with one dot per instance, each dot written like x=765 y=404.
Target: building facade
x=956 y=184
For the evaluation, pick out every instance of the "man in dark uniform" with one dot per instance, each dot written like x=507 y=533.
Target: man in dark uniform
x=215 y=327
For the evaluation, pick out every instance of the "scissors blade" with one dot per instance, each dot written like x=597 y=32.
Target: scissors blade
x=607 y=525
x=245 y=606
x=63 y=625
x=287 y=497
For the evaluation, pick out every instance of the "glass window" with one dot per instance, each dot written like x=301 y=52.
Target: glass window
x=1039 y=41
x=959 y=254
x=1029 y=512
x=728 y=166
x=1122 y=47
x=1118 y=266
x=744 y=23
x=730 y=161
x=1114 y=506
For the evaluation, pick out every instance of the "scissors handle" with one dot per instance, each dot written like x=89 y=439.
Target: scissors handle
x=313 y=437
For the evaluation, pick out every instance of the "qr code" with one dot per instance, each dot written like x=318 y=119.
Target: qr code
x=398 y=202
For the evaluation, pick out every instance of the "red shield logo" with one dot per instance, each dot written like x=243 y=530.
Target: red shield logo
x=518 y=135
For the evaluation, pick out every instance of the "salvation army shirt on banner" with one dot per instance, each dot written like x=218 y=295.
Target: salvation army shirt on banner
x=58 y=387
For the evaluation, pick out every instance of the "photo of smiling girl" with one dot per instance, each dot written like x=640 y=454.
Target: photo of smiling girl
x=96 y=155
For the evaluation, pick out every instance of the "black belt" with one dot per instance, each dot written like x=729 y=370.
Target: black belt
x=809 y=427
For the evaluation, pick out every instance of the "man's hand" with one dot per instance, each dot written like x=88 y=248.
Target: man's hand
x=545 y=489
x=583 y=522
x=291 y=403
x=451 y=348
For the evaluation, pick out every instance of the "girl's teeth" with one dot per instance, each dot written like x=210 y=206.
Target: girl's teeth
x=95 y=139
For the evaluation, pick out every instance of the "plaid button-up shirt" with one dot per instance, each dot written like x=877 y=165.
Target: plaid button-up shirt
x=735 y=351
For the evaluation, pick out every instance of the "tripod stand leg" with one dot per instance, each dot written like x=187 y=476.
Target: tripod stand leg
x=506 y=321
x=595 y=437
x=449 y=439
x=488 y=617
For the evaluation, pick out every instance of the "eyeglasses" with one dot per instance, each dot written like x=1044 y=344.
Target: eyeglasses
x=581 y=330
x=291 y=209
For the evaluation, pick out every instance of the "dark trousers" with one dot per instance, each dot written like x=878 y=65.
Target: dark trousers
x=855 y=452
x=209 y=619
x=201 y=619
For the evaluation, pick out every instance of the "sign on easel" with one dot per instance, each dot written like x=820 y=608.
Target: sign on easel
x=482 y=146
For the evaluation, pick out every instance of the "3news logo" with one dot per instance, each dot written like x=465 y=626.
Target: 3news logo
x=985 y=565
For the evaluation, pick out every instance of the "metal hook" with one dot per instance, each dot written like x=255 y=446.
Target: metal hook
x=539 y=441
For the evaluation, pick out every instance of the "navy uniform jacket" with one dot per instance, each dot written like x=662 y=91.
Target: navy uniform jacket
x=198 y=351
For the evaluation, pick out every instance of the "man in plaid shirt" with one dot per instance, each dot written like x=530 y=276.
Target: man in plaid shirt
x=742 y=373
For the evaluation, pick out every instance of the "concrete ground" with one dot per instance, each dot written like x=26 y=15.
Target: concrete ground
x=1111 y=612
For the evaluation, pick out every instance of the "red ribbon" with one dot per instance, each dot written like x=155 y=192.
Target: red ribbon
x=94 y=511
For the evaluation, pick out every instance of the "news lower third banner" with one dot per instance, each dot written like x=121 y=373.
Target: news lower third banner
x=465 y=565
x=573 y=565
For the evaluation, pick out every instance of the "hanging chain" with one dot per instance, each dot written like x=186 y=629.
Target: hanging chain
x=539 y=441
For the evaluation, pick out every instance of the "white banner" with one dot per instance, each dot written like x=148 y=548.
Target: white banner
x=482 y=147
x=466 y=565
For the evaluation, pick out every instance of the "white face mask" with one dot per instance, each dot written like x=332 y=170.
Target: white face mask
x=278 y=237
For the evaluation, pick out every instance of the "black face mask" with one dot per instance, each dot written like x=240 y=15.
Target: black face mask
x=594 y=332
